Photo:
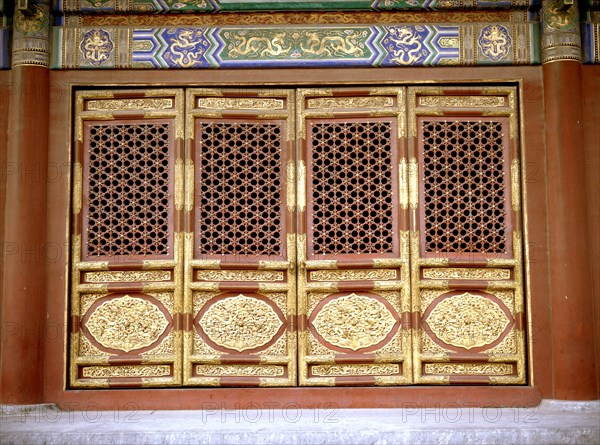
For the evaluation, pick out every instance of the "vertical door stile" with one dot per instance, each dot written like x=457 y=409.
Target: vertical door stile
x=354 y=302
x=188 y=234
x=466 y=242
x=240 y=291
x=126 y=241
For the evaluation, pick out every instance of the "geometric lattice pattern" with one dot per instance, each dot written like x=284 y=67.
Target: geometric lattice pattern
x=240 y=202
x=128 y=190
x=464 y=187
x=352 y=201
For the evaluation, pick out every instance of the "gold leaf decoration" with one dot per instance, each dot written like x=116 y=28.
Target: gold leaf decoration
x=130 y=104
x=240 y=323
x=463 y=273
x=126 y=323
x=127 y=275
x=467 y=321
x=350 y=102
x=469 y=368
x=353 y=274
x=359 y=369
x=354 y=322
x=239 y=275
x=126 y=371
x=225 y=103
x=240 y=370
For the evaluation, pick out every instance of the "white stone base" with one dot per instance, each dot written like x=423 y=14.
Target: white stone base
x=555 y=422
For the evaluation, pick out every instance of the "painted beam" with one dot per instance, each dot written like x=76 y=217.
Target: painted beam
x=508 y=43
x=160 y=6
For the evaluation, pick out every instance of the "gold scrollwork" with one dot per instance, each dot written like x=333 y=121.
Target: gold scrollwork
x=237 y=103
x=240 y=370
x=359 y=369
x=96 y=372
x=291 y=185
x=353 y=274
x=129 y=275
x=301 y=190
x=350 y=102
x=464 y=273
x=126 y=323
x=354 y=322
x=461 y=101
x=130 y=104
x=403 y=183
x=239 y=275
x=179 y=184
x=515 y=170
x=469 y=368
x=240 y=323
x=467 y=321
x=413 y=183
x=77 y=188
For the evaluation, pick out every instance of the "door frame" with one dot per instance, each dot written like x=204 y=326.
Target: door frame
x=528 y=80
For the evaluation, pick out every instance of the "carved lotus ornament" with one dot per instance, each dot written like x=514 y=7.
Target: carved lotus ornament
x=240 y=322
x=354 y=322
x=467 y=321
x=127 y=323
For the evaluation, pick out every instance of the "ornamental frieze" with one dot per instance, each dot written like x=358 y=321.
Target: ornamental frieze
x=404 y=44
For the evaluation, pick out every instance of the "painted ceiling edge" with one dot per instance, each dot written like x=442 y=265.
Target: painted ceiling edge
x=79 y=39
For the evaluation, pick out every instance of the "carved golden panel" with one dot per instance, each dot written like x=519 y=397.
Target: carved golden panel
x=464 y=273
x=126 y=371
x=354 y=322
x=130 y=104
x=469 y=368
x=240 y=370
x=461 y=101
x=126 y=323
x=240 y=323
x=127 y=275
x=353 y=274
x=237 y=103
x=350 y=102
x=515 y=176
x=358 y=369
x=239 y=275
x=467 y=321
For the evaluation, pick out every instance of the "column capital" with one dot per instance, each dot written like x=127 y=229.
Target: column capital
x=561 y=36
x=31 y=35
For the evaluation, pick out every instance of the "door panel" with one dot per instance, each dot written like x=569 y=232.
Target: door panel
x=240 y=286
x=313 y=237
x=354 y=323
x=466 y=238
x=127 y=241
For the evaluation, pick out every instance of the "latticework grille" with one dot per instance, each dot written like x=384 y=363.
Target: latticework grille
x=239 y=206
x=352 y=209
x=464 y=187
x=128 y=189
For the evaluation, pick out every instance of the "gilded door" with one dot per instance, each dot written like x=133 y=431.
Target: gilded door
x=348 y=236
x=240 y=246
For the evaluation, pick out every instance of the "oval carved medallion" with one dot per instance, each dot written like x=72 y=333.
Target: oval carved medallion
x=240 y=322
x=467 y=321
x=126 y=323
x=354 y=322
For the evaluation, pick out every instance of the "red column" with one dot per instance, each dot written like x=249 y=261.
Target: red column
x=23 y=291
x=571 y=293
